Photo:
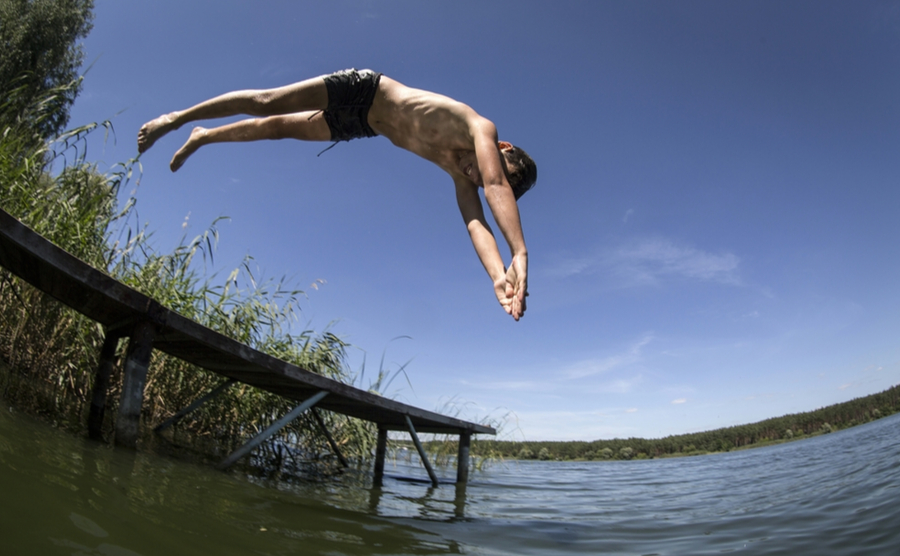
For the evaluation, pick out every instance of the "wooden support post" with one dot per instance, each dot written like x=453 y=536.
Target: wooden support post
x=422 y=454
x=137 y=361
x=380 y=451
x=101 y=385
x=273 y=428
x=462 y=458
x=194 y=405
x=330 y=438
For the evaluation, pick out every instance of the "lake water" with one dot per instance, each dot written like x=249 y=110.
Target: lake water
x=833 y=494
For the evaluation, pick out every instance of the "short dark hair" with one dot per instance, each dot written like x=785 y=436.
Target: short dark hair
x=521 y=171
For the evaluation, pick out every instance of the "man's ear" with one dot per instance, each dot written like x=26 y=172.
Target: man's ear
x=504 y=145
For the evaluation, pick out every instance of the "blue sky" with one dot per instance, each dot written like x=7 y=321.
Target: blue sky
x=713 y=238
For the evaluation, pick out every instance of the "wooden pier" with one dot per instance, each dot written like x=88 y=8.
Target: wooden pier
x=125 y=312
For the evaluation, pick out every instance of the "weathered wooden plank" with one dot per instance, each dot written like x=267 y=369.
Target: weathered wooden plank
x=64 y=277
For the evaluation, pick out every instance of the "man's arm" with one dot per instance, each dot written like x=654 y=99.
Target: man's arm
x=486 y=248
x=502 y=202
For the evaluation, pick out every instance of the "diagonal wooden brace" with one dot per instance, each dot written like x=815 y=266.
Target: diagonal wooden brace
x=194 y=405
x=422 y=454
x=330 y=438
x=273 y=428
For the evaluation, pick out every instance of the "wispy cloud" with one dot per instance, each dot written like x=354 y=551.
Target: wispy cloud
x=647 y=261
x=508 y=385
x=679 y=401
x=617 y=386
x=591 y=367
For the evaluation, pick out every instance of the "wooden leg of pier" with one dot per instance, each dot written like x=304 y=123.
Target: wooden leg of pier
x=101 y=385
x=140 y=346
x=380 y=452
x=462 y=458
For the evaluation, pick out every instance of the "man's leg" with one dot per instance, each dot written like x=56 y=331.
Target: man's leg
x=304 y=126
x=308 y=95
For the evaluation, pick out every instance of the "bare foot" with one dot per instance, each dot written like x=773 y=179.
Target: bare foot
x=194 y=142
x=154 y=129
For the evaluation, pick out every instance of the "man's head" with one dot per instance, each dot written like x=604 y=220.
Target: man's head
x=521 y=171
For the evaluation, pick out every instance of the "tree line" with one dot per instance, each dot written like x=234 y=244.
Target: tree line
x=778 y=429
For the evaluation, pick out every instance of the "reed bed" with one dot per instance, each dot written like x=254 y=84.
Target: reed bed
x=50 y=351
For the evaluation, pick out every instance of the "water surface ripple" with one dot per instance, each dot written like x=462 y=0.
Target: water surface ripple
x=832 y=494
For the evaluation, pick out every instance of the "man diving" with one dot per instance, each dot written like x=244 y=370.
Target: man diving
x=353 y=103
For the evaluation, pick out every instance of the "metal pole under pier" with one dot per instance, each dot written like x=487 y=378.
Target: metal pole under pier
x=137 y=361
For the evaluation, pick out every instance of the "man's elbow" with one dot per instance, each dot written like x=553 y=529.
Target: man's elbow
x=498 y=191
x=476 y=226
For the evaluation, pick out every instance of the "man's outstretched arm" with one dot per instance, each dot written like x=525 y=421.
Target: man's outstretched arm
x=486 y=248
x=502 y=202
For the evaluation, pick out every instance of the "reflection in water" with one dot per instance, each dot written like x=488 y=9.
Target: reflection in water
x=834 y=494
x=426 y=502
x=74 y=496
x=459 y=501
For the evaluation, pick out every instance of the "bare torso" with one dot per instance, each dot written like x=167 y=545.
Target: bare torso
x=433 y=126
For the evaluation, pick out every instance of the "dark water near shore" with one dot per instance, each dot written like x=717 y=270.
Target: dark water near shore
x=833 y=494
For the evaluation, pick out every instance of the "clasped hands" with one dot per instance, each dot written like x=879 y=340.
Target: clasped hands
x=512 y=288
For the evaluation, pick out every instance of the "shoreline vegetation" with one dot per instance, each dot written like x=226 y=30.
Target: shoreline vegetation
x=777 y=430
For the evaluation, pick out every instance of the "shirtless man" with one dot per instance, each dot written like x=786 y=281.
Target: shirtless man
x=350 y=104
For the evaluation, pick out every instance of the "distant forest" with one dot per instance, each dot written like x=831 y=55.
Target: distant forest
x=778 y=429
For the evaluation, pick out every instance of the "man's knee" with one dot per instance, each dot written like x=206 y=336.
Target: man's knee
x=263 y=98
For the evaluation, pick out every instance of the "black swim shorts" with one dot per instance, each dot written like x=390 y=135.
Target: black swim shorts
x=350 y=95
